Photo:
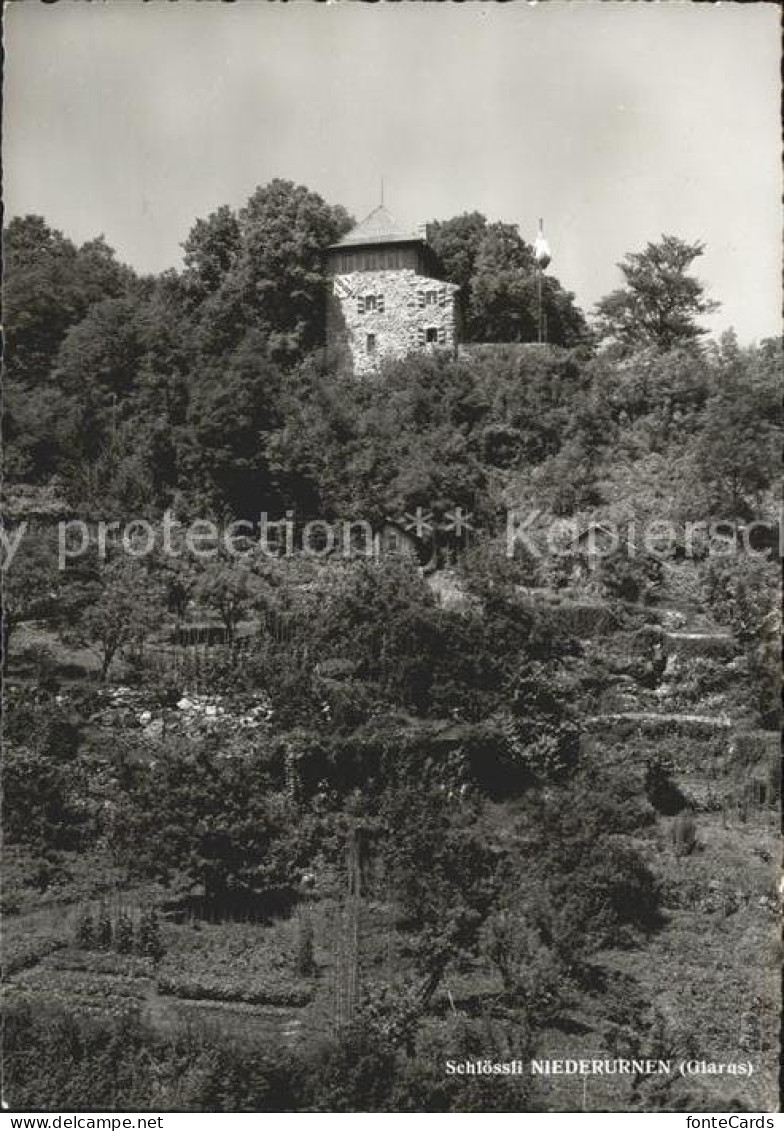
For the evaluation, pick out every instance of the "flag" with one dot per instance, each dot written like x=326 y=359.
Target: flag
x=542 y=250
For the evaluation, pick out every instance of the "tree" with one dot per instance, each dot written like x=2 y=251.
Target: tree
x=104 y=349
x=503 y=288
x=684 y=834
x=448 y=900
x=456 y=243
x=39 y=422
x=208 y=810
x=738 y=450
x=497 y=276
x=572 y=874
x=96 y=368
x=234 y=408
x=42 y=799
x=629 y=577
x=380 y=614
x=85 y=930
x=533 y=975
x=384 y=448
x=504 y=303
x=305 y=956
x=745 y=594
x=49 y=284
x=124 y=613
x=123 y=934
x=45 y=782
x=544 y=734
x=230 y=590
x=31 y=582
x=149 y=943
x=211 y=250
x=661 y=302
x=660 y=788
x=274 y=282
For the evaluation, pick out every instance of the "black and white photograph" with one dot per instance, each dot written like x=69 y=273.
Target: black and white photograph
x=391 y=549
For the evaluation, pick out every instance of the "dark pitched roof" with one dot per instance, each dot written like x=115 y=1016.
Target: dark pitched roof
x=378 y=227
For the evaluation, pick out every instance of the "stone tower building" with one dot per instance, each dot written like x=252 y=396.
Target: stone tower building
x=386 y=299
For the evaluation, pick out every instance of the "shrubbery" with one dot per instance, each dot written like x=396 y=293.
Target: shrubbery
x=660 y=789
x=103 y=931
x=221 y=988
x=684 y=834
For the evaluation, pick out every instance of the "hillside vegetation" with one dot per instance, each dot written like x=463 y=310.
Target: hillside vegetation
x=289 y=831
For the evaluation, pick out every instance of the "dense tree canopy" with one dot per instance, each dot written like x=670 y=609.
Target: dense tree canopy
x=740 y=443
x=497 y=275
x=206 y=387
x=263 y=270
x=49 y=285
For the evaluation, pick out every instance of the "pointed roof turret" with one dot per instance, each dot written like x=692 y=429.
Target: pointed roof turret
x=379 y=227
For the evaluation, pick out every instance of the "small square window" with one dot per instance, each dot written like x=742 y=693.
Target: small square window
x=370 y=343
x=431 y=334
x=431 y=298
x=370 y=303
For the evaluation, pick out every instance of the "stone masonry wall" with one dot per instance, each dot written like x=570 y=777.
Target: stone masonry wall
x=396 y=307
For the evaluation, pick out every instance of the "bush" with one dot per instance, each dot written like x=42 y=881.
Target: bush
x=56 y=1060
x=588 y=887
x=103 y=930
x=123 y=934
x=149 y=943
x=625 y=578
x=100 y=962
x=218 y=988
x=19 y=954
x=545 y=736
x=774 y=780
x=684 y=834
x=306 y=962
x=662 y=792
x=85 y=930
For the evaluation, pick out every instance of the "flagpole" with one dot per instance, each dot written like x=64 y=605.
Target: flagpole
x=542 y=258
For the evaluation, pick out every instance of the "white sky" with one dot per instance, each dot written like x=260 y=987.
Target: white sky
x=616 y=122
